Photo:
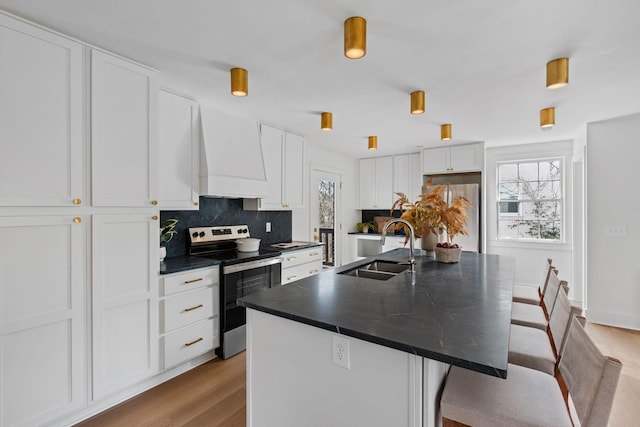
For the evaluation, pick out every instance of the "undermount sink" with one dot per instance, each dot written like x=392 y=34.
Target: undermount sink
x=378 y=270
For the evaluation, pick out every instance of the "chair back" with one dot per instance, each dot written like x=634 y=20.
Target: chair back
x=560 y=320
x=549 y=298
x=548 y=267
x=591 y=378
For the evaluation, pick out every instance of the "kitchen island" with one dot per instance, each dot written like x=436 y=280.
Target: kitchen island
x=335 y=349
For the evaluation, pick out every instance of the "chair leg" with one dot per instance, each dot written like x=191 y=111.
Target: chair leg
x=446 y=422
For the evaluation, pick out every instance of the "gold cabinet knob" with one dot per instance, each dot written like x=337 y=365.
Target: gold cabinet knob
x=155 y=217
x=154 y=202
x=77 y=220
x=195 y=203
x=77 y=201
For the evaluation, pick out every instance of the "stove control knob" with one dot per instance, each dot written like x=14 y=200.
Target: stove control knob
x=245 y=230
x=195 y=234
x=201 y=234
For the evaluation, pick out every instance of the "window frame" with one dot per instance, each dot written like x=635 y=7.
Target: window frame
x=562 y=200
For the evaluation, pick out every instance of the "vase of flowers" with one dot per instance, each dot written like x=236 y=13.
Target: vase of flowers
x=431 y=215
x=167 y=231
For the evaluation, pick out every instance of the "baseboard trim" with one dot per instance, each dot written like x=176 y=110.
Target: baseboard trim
x=618 y=320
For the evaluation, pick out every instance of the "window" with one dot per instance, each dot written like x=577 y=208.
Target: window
x=530 y=200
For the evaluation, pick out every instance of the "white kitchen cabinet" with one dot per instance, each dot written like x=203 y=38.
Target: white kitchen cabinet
x=298 y=264
x=41 y=119
x=125 y=300
x=454 y=159
x=124 y=132
x=42 y=318
x=407 y=176
x=284 y=166
x=179 y=152
x=376 y=183
x=363 y=245
x=189 y=314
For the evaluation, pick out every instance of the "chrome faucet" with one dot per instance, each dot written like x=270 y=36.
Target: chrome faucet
x=412 y=259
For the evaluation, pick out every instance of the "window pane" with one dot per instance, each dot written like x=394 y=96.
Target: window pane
x=550 y=169
x=508 y=172
x=548 y=190
x=549 y=230
x=528 y=171
x=509 y=191
x=508 y=229
x=508 y=208
x=528 y=190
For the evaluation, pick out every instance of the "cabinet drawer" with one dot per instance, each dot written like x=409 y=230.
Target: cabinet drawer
x=192 y=279
x=181 y=310
x=187 y=343
x=298 y=272
x=293 y=258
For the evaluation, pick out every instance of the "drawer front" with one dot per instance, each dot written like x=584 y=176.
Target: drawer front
x=183 y=309
x=187 y=343
x=298 y=272
x=189 y=280
x=293 y=258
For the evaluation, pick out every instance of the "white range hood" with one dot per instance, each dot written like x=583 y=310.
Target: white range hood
x=231 y=161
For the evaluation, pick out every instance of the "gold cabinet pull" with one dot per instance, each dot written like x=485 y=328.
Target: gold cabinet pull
x=77 y=201
x=187 y=344
x=314 y=254
x=292 y=277
x=155 y=217
x=77 y=220
x=313 y=271
x=195 y=307
x=186 y=282
x=292 y=258
x=154 y=202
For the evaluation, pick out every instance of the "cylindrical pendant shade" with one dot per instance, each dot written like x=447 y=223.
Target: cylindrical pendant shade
x=373 y=143
x=547 y=118
x=417 y=102
x=445 y=132
x=355 y=37
x=326 y=121
x=557 y=73
x=239 y=82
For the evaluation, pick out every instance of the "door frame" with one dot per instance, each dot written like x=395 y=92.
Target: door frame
x=338 y=243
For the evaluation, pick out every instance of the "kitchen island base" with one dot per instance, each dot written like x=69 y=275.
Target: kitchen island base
x=292 y=380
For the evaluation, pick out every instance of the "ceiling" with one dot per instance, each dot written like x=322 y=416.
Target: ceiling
x=481 y=64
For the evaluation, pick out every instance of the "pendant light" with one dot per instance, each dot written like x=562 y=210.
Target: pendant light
x=417 y=102
x=557 y=73
x=373 y=143
x=445 y=132
x=326 y=121
x=547 y=118
x=355 y=37
x=239 y=82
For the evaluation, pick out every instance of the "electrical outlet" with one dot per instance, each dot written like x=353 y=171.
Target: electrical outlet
x=340 y=351
x=615 y=230
x=268 y=227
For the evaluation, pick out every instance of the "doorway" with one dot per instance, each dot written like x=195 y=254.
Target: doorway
x=324 y=213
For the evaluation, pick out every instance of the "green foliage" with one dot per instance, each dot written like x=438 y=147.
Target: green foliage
x=167 y=231
x=361 y=226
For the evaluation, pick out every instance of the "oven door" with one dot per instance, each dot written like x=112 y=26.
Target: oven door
x=239 y=280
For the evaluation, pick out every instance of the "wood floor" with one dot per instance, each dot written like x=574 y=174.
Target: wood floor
x=214 y=394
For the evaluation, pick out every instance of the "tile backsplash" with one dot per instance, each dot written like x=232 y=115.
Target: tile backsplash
x=223 y=211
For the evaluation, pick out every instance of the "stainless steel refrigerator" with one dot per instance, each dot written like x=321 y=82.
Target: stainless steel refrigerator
x=470 y=243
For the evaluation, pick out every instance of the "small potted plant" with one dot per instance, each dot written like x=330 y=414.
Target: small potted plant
x=167 y=231
x=364 y=227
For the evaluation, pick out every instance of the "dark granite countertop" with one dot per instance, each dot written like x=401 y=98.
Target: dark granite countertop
x=176 y=264
x=454 y=313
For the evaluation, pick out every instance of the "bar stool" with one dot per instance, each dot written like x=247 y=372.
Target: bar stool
x=535 y=316
x=529 y=294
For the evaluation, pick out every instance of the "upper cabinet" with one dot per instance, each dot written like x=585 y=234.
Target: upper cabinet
x=454 y=159
x=41 y=117
x=124 y=128
x=407 y=175
x=376 y=183
x=179 y=152
x=284 y=166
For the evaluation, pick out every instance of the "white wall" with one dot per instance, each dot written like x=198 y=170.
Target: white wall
x=613 y=201
x=346 y=167
x=530 y=257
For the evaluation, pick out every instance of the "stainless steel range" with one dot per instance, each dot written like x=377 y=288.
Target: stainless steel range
x=241 y=274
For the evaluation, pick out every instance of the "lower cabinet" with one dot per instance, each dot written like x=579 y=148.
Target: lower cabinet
x=189 y=315
x=301 y=263
x=42 y=318
x=125 y=300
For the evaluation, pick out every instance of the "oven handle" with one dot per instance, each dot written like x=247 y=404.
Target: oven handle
x=235 y=268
